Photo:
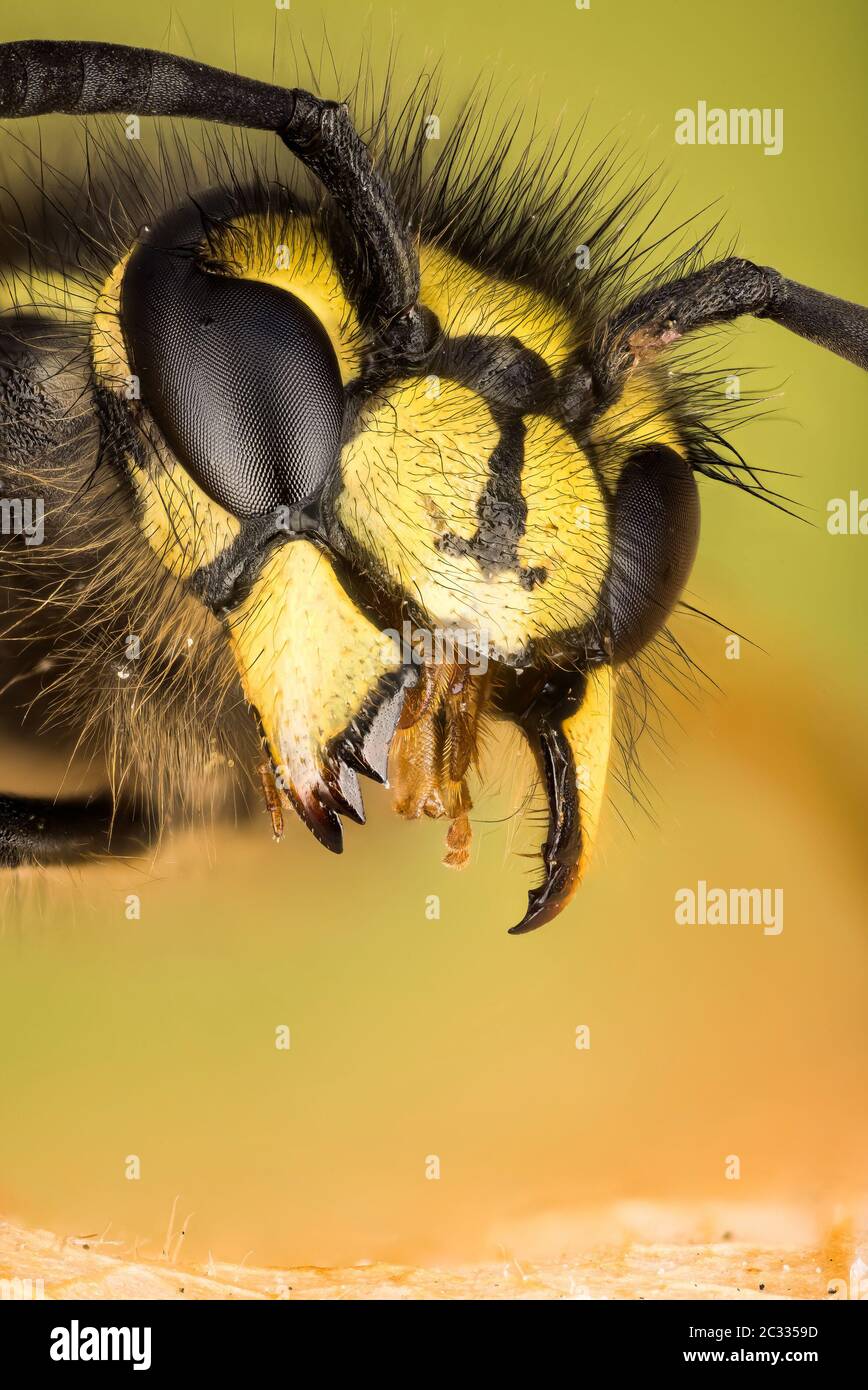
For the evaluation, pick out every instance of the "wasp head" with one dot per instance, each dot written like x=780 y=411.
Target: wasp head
x=401 y=552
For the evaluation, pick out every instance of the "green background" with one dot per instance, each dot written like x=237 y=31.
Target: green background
x=413 y=1037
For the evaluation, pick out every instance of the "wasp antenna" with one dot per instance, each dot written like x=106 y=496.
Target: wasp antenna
x=41 y=76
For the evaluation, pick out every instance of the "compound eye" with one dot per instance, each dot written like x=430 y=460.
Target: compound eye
x=240 y=377
x=654 y=539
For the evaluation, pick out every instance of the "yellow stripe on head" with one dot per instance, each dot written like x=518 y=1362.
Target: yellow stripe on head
x=468 y=301
x=292 y=253
x=639 y=417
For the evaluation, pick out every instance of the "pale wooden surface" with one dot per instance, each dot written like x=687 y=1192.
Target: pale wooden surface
x=727 y=1268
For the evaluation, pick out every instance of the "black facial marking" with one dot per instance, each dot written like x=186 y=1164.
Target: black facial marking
x=501 y=513
x=514 y=381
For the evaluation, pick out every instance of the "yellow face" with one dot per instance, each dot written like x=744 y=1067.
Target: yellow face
x=413 y=485
x=414 y=480
x=492 y=530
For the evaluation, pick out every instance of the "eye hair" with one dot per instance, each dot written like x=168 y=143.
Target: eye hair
x=169 y=719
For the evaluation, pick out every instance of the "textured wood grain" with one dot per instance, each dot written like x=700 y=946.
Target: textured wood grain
x=78 y=1268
